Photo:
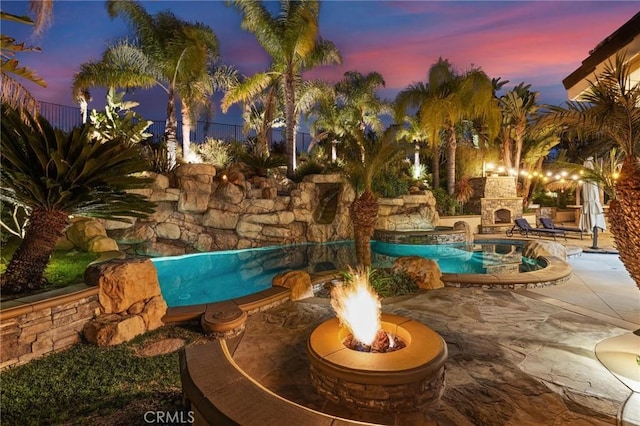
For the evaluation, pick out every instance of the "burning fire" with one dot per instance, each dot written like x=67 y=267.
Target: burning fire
x=357 y=306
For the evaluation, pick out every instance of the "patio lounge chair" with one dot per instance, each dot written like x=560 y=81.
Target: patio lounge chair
x=547 y=223
x=524 y=228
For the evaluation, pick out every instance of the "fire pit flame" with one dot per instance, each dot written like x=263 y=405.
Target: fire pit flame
x=357 y=306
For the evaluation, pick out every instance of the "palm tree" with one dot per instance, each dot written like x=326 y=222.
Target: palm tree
x=414 y=133
x=610 y=109
x=13 y=92
x=170 y=53
x=292 y=40
x=447 y=100
x=413 y=97
x=361 y=105
x=362 y=171
x=55 y=175
x=519 y=106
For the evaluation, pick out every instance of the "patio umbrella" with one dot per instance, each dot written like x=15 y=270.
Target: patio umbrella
x=592 y=217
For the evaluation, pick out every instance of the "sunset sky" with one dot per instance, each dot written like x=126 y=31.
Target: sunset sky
x=538 y=43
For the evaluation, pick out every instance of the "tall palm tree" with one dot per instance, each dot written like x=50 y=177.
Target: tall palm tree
x=362 y=108
x=448 y=99
x=170 y=53
x=293 y=41
x=55 y=175
x=610 y=109
x=519 y=106
x=413 y=97
x=414 y=133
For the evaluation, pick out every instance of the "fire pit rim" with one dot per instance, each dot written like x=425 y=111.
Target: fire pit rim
x=409 y=364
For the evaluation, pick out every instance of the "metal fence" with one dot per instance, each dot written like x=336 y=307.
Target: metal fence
x=66 y=118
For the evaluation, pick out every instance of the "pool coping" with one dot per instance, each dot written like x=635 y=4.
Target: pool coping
x=229 y=315
x=555 y=271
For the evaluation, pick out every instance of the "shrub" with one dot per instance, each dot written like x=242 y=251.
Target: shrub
x=445 y=203
x=156 y=155
x=214 y=151
x=260 y=164
x=387 y=283
x=309 y=167
x=390 y=183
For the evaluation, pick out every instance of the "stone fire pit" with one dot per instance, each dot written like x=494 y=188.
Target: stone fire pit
x=403 y=380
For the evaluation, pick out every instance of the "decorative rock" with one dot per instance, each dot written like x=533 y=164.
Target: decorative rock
x=83 y=230
x=169 y=231
x=194 y=195
x=425 y=272
x=298 y=281
x=230 y=193
x=100 y=244
x=135 y=235
x=220 y=219
x=117 y=224
x=64 y=244
x=535 y=249
x=123 y=282
x=159 y=181
x=204 y=242
x=269 y=193
x=155 y=248
x=153 y=312
x=136 y=308
x=112 y=330
x=195 y=170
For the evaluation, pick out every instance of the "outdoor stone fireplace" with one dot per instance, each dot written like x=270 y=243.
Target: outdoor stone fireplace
x=496 y=200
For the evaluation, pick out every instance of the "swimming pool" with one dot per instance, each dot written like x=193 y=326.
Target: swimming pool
x=216 y=276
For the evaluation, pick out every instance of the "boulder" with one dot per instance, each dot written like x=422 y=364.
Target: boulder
x=535 y=249
x=169 y=231
x=134 y=235
x=83 y=230
x=101 y=244
x=123 y=283
x=153 y=312
x=230 y=193
x=110 y=330
x=299 y=282
x=425 y=272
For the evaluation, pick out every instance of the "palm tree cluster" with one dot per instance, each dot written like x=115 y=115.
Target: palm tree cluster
x=450 y=110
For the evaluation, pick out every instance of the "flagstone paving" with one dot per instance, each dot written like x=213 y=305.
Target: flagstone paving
x=515 y=357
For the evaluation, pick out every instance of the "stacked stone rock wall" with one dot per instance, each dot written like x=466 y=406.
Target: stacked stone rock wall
x=206 y=212
x=29 y=332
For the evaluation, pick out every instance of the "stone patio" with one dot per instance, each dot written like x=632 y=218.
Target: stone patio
x=523 y=357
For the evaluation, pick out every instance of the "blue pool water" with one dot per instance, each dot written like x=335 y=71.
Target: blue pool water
x=216 y=276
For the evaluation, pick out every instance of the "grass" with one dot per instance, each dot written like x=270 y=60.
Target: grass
x=90 y=385
x=65 y=267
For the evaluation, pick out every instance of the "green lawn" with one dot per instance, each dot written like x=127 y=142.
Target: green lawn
x=65 y=267
x=90 y=385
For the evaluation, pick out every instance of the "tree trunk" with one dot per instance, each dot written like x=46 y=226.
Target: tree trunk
x=451 y=161
x=519 y=140
x=526 y=197
x=186 y=132
x=26 y=268
x=435 y=169
x=364 y=215
x=624 y=217
x=290 y=123
x=171 y=128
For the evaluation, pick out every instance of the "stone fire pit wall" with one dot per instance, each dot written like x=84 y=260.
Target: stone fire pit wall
x=204 y=212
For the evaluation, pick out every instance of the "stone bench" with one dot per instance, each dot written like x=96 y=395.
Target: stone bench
x=220 y=393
